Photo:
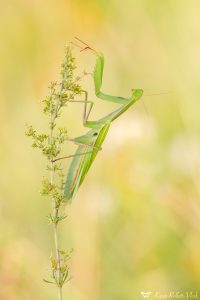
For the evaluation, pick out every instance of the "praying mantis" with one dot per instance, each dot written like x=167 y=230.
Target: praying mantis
x=90 y=143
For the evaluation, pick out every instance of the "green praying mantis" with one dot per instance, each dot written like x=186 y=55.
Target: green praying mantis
x=90 y=143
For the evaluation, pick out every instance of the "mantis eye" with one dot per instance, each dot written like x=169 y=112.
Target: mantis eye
x=95 y=133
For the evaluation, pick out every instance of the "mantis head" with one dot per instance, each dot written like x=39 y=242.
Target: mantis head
x=136 y=94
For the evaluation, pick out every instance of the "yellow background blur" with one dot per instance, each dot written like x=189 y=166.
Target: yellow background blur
x=135 y=222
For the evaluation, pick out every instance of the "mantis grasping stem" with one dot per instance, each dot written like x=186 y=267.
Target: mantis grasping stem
x=90 y=143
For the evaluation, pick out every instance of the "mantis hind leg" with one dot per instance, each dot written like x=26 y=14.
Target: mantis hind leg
x=73 y=155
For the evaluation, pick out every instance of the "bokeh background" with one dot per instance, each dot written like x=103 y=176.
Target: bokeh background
x=135 y=223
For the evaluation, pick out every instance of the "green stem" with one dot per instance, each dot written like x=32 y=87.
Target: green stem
x=60 y=293
x=55 y=214
x=55 y=230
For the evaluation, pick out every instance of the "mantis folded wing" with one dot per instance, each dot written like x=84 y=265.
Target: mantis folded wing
x=91 y=142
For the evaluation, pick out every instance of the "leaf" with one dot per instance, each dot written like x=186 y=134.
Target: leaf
x=47 y=281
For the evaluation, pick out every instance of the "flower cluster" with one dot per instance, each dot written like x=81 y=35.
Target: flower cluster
x=64 y=91
x=50 y=146
x=62 y=265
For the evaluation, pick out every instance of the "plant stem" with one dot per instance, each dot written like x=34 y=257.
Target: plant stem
x=51 y=146
x=55 y=214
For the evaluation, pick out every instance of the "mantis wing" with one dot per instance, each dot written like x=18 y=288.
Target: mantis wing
x=76 y=171
x=81 y=164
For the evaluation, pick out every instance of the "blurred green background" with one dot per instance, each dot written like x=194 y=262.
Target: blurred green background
x=135 y=222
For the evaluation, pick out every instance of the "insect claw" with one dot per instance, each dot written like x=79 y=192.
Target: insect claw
x=82 y=49
x=86 y=46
